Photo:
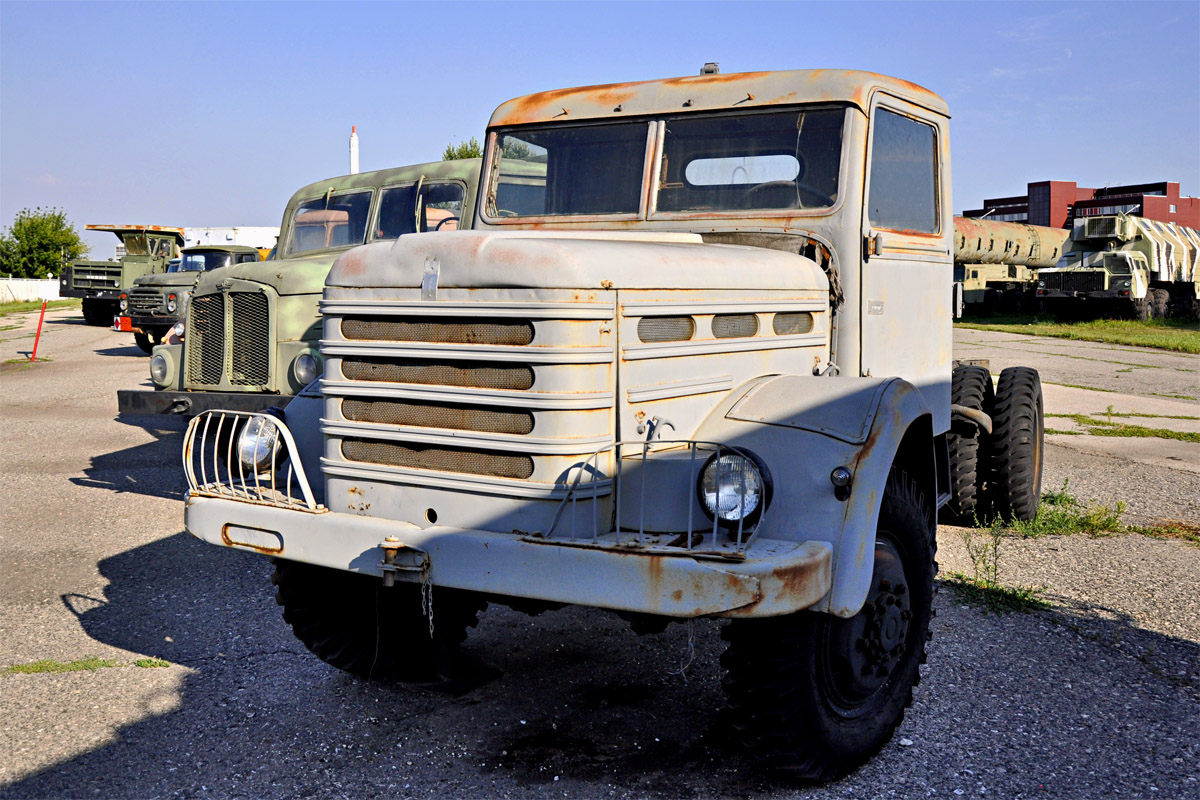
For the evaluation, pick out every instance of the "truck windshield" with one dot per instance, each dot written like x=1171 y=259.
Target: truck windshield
x=136 y=244
x=199 y=262
x=332 y=220
x=404 y=209
x=777 y=160
x=569 y=170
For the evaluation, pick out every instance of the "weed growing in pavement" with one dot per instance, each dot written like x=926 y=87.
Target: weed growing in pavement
x=1170 y=529
x=983 y=587
x=1060 y=514
x=151 y=663
x=1094 y=426
x=90 y=663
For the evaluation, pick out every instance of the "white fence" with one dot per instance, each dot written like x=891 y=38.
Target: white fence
x=15 y=289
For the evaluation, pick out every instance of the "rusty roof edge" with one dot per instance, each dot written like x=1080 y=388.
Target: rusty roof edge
x=135 y=228
x=710 y=92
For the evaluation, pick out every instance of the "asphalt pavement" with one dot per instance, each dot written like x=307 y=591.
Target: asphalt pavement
x=1099 y=696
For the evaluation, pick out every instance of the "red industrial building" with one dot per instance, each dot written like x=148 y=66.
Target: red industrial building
x=1056 y=204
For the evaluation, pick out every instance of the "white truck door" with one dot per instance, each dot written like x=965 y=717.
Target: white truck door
x=907 y=255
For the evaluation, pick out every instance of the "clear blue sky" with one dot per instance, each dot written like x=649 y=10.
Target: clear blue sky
x=198 y=113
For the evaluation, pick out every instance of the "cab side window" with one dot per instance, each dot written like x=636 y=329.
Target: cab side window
x=903 y=188
x=402 y=209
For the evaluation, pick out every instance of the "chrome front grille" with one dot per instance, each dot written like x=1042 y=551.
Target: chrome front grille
x=229 y=343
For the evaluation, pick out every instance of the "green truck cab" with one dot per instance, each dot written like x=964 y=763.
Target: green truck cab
x=148 y=250
x=252 y=331
x=156 y=302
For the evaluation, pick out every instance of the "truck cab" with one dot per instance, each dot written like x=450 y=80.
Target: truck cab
x=692 y=362
x=251 y=337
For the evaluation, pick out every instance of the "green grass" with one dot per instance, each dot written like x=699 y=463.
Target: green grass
x=1089 y=388
x=151 y=663
x=1170 y=529
x=1180 y=336
x=22 y=306
x=1095 y=426
x=89 y=664
x=1175 y=396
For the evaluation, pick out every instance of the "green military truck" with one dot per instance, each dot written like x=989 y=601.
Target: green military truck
x=252 y=331
x=148 y=250
x=156 y=302
x=1129 y=265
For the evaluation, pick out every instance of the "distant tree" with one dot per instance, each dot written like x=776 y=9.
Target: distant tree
x=38 y=242
x=516 y=149
x=468 y=149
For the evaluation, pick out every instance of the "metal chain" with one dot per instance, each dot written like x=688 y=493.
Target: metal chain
x=427 y=597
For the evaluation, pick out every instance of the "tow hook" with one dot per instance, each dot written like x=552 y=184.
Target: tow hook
x=399 y=557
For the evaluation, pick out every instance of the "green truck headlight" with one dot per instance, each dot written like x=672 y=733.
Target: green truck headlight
x=159 y=369
x=306 y=368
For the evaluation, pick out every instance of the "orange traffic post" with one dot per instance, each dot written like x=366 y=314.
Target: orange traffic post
x=41 y=317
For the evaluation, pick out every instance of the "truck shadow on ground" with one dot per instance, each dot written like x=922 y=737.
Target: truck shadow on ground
x=151 y=469
x=582 y=705
x=131 y=350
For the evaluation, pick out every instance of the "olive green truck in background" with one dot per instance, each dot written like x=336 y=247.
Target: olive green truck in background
x=252 y=332
x=156 y=302
x=148 y=250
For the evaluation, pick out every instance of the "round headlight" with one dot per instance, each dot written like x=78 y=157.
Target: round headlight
x=1041 y=284
x=158 y=369
x=1125 y=284
x=171 y=304
x=307 y=369
x=256 y=444
x=734 y=488
x=124 y=302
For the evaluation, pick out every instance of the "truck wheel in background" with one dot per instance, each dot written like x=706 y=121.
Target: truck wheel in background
x=355 y=623
x=1014 y=479
x=971 y=386
x=814 y=695
x=98 y=312
x=143 y=341
x=1160 y=303
x=1143 y=309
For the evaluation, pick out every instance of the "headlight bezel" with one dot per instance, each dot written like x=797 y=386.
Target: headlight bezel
x=746 y=519
x=298 y=368
x=158 y=362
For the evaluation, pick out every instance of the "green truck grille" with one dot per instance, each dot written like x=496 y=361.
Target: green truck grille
x=231 y=344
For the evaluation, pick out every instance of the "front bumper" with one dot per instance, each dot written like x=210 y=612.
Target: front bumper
x=132 y=401
x=776 y=577
x=152 y=321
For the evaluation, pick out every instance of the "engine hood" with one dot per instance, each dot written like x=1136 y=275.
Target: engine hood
x=574 y=260
x=286 y=276
x=168 y=279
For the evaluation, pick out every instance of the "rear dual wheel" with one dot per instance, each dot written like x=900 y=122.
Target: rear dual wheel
x=1015 y=447
x=971 y=386
x=815 y=695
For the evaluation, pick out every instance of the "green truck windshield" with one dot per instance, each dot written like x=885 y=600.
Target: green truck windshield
x=333 y=220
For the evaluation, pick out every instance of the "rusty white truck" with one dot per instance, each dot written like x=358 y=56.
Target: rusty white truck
x=692 y=362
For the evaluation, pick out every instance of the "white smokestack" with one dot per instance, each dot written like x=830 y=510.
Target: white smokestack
x=353 y=149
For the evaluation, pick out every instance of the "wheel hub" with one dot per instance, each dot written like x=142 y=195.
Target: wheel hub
x=871 y=644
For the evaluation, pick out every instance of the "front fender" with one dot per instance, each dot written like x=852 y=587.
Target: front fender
x=803 y=427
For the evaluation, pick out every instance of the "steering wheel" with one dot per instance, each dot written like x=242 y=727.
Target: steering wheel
x=438 y=227
x=796 y=193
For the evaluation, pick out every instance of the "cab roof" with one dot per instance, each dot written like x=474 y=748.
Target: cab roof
x=466 y=169
x=222 y=248
x=738 y=90
x=119 y=230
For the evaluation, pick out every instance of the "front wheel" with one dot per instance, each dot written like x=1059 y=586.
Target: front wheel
x=355 y=623
x=815 y=695
x=143 y=342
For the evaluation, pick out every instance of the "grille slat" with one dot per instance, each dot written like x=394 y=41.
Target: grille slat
x=666 y=329
x=144 y=299
x=734 y=326
x=791 y=323
x=451 y=330
x=430 y=415
x=439 y=373
x=441 y=459
x=206 y=339
x=251 y=351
